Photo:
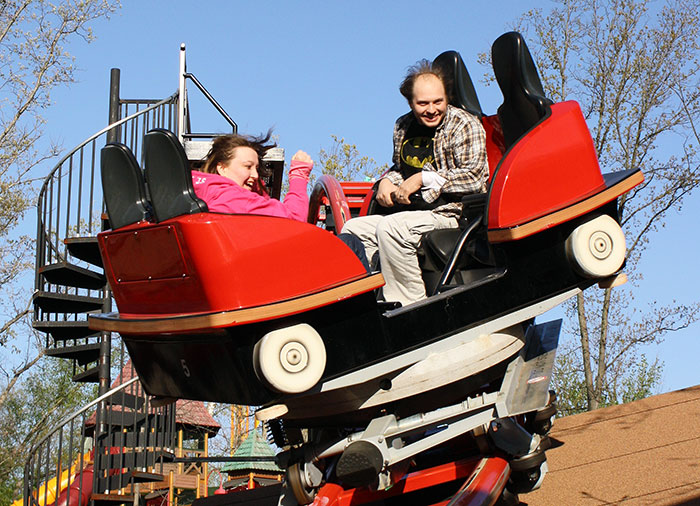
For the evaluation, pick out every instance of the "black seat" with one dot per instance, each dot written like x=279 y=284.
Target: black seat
x=169 y=177
x=524 y=103
x=461 y=90
x=439 y=245
x=123 y=186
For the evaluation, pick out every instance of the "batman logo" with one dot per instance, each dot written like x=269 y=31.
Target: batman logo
x=417 y=151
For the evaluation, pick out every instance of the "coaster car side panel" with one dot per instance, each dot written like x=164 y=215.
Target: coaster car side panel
x=358 y=195
x=199 y=263
x=552 y=166
x=168 y=324
x=616 y=184
x=217 y=364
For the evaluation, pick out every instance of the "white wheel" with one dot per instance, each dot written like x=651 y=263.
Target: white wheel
x=290 y=360
x=597 y=247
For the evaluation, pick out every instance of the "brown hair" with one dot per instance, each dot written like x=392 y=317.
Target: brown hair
x=223 y=149
x=422 y=68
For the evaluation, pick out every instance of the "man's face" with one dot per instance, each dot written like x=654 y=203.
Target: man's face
x=429 y=101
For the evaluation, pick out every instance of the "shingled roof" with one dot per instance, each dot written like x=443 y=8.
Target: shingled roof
x=192 y=416
x=644 y=452
x=254 y=445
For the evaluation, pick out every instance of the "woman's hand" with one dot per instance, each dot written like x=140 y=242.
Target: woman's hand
x=384 y=191
x=302 y=156
x=407 y=188
x=301 y=165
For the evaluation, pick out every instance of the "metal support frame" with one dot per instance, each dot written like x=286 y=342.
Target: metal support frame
x=388 y=434
x=114 y=105
x=449 y=269
x=182 y=95
x=184 y=130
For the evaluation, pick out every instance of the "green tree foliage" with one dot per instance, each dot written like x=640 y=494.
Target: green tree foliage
x=344 y=162
x=29 y=411
x=633 y=65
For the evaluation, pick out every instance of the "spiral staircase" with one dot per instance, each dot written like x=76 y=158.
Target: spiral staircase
x=114 y=443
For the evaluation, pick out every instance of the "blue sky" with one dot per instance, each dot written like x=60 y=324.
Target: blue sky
x=310 y=69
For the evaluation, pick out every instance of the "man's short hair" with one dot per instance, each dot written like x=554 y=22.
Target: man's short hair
x=421 y=68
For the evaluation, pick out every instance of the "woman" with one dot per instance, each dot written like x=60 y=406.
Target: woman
x=229 y=181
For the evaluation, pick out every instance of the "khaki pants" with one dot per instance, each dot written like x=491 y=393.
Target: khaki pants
x=397 y=238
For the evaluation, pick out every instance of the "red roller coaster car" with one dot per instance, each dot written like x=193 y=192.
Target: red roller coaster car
x=210 y=308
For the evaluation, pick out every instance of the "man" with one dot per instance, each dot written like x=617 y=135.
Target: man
x=439 y=155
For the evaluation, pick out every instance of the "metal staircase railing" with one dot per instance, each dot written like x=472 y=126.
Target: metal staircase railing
x=69 y=280
x=102 y=450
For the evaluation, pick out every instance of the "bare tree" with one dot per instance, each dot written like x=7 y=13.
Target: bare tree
x=634 y=67
x=34 y=60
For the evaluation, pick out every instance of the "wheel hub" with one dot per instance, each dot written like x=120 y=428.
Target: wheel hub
x=601 y=245
x=294 y=357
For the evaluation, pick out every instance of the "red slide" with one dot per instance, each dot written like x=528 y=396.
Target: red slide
x=79 y=491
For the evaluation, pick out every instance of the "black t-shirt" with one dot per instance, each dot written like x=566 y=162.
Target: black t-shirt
x=417 y=149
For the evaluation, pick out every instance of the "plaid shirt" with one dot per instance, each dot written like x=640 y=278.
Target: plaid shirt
x=459 y=148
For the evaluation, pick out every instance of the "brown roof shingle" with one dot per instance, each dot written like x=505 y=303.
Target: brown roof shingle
x=642 y=453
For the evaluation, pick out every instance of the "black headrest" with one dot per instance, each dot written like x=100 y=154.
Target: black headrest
x=123 y=186
x=169 y=176
x=524 y=101
x=461 y=92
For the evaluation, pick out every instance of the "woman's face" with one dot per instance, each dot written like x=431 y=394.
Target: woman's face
x=242 y=169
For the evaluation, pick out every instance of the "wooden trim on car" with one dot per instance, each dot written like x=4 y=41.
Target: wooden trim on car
x=568 y=213
x=111 y=322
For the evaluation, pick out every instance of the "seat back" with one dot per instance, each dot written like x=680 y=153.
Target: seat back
x=461 y=90
x=169 y=177
x=123 y=186
x=524 y=104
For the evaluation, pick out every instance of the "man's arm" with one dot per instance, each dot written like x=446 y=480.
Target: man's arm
x=410 y=186
x=385 y=190
x=462 y=160
x=393 y=179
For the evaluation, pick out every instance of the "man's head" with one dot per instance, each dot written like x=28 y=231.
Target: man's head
x=424 y=88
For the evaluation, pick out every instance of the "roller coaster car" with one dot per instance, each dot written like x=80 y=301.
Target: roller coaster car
x=276 y=313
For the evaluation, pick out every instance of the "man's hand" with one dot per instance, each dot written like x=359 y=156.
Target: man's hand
x=408 y=187
x=384 y=191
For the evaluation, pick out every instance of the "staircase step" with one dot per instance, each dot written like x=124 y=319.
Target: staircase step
x=84 y=248
x=116 y=416
x=158 y=439
x=143 y=477
x=155 y=494
x=91 y=375
x=64 y=330
x=67 y=274
x=84 y=353
x=130 y=460
x=111 y=499
x=116 y=481
x=124 y=399
x=52 y=302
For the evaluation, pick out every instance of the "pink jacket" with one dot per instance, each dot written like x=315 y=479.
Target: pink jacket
x=222 y=195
